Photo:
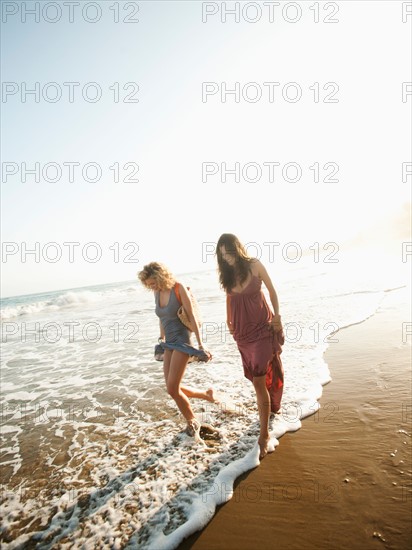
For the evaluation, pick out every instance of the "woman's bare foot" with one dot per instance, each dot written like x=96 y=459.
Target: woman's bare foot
x=193 y=428
x=263 y=447
x=210 y=396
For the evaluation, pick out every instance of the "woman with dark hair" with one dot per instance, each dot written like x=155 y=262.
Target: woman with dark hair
x=169 y=296
x=256 y=329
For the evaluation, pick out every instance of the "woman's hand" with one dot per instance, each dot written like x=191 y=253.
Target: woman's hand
x=276 y=323
x=206 y=352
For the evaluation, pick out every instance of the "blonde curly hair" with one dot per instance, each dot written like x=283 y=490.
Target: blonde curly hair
x=159 y=273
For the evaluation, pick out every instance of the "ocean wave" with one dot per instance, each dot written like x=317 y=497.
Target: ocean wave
x=36 y=303
x=67 y=299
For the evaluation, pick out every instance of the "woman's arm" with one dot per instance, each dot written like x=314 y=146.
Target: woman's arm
x=263 y=274
x=187 y=304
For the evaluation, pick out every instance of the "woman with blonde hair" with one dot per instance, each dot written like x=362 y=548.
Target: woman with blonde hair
x=175 y=338
x=256 y=329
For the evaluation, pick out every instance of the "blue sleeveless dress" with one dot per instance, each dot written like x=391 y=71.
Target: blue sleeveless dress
x=177 y=335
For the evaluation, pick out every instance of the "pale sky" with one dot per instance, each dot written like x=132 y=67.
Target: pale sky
x=171 y=211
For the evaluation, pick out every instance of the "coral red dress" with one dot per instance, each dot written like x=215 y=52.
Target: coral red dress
x=259 y=346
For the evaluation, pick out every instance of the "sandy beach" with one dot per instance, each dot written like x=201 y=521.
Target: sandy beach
x=343 y=480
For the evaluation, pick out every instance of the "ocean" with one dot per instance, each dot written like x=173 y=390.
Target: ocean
x=93 y=450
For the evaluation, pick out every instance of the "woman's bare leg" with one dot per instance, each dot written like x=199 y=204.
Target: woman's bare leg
x=166 y=363
x=174 y=366
x=208 y=395
x=263 y=401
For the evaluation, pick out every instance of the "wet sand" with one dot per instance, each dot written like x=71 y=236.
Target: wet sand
x=343 y=481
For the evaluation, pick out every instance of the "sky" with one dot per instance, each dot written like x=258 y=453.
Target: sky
x=319 y=152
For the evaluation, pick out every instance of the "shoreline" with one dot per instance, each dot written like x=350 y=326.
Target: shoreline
x=344 y=479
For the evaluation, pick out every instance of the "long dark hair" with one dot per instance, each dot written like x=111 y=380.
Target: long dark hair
x=230 y=275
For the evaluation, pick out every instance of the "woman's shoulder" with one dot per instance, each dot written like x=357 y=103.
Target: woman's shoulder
x=182 y=288
x=255 y=266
